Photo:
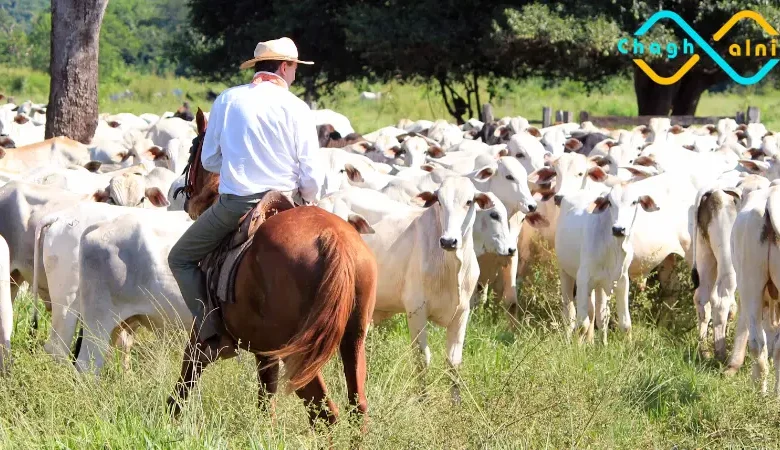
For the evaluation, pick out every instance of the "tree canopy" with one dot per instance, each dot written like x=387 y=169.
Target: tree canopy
x=453 y=44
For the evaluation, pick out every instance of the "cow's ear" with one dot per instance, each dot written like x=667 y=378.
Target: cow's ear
x=648 y=204
x=156 y=196
x=533 y=131
x=485 y=173
x=572 y=145
x=600 y=205
x=2 y=153
x=353 y=173
x=436 y=152
x=93 y=166
x=425 y=199
x=754 y=166
x=156 y=153
x=101 y=196
x=677 y=129
x=360 y=223
x=597 y=174
x=483 y=201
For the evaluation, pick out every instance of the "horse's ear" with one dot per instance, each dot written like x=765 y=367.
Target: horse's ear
x=200 y=120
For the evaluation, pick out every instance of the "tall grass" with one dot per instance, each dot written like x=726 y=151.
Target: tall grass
x=529 y=389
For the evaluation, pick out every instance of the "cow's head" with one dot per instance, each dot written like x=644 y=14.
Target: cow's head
x=491 y=230
x=527 y=150
x=623 y=203
x=507 y=179
x=572 y=172
x=458 y=201
x=129 y=189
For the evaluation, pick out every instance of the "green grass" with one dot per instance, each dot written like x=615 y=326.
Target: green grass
x=415 y=101
x=529 y=389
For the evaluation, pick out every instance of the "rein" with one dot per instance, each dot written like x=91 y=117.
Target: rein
x=190 y=171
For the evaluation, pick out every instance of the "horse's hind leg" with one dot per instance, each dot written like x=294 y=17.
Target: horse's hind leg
x=314 y=394
x=267 y=383
x=353 y=355
x=192 y=366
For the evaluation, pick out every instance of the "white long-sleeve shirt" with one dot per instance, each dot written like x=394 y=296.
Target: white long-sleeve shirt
x=262 y=137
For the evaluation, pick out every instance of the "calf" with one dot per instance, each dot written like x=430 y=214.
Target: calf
x=594 y=251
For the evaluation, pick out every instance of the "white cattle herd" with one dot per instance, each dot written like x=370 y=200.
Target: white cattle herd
x=450 y=210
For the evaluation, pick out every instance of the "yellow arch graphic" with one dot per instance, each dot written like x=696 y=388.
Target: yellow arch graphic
x=745 y=15
x=667 y=80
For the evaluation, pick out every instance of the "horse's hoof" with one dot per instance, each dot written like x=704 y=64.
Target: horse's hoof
x=174 y=409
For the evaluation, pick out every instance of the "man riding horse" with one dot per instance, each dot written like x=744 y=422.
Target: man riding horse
x=260 y=138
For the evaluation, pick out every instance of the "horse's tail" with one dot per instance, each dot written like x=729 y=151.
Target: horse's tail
x=319 y=337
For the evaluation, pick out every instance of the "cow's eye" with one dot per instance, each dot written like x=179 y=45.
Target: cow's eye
x=580 y=174
x=510 y=178
x=520 y=155
x=494 y=215
x=469 y=203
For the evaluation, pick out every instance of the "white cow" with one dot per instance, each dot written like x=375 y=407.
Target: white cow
x=339 y=121
x=754 y=240
x=595 y=251
x=428 y=264
x=714 y=277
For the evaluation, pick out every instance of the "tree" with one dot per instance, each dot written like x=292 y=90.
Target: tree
x=73 y=94
x=224 y=34
x=621 y=18
x=450 y=43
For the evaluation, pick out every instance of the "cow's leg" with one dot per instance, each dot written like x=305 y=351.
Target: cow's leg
x=193 y=363
x=757 y=342
x=602 y=313
x=747 y=293
x=669 y=288
x=776 y=340
x=16 y=281
x=508 y=274
x=123 y=339
x=267 y=384
x=353 y=356
x=621 y=304
x=313 y=395
x=567 y=303
x=95 y=337
x=418 y=321
x=456 y=335
x=704 y=296
x=63 y=327
x=586 y=307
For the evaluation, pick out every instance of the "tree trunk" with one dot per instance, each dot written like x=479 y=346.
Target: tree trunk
x=652 y=99
x=73 y=94
x=681 y=98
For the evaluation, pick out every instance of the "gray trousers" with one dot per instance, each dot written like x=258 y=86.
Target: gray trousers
x=200 y=239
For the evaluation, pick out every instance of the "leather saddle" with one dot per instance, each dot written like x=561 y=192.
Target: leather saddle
x=221 y=265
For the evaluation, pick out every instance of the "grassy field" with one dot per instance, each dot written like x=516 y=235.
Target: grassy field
x=525 y=98
x=523 y=389
x=529 y=389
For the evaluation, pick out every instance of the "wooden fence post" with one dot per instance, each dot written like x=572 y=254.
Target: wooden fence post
x=567 y=116
x=487 y=118
x=584 y=116
x=487 y=113
x=753 y=114
x=546 y=117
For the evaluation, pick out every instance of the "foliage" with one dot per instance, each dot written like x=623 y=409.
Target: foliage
x=225 y=34
x=134 y=34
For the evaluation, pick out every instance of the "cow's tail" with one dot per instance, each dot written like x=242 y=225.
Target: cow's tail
x=45 y=223
x=321 y=332
x=701 y=197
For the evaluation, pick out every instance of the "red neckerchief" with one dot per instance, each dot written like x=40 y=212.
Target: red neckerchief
x=261 y=77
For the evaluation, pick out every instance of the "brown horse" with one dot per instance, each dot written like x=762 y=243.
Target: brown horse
x=305 y=287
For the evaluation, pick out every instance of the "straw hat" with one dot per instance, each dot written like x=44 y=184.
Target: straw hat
x=282 y=49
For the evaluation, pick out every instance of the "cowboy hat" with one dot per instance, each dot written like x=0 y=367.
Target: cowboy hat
x=282 y=49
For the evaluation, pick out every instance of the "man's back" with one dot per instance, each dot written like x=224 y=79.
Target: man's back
x=261 y=132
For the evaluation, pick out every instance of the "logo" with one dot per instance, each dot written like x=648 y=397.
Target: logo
x=655 y=48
